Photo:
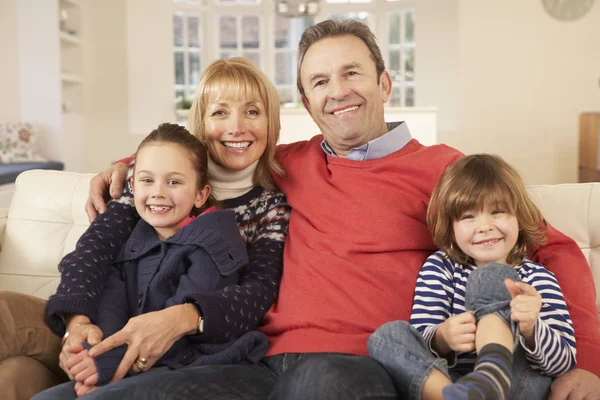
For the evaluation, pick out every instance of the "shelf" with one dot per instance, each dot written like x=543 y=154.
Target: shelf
x=69 y=39
x=70 y=3
x=71 y=78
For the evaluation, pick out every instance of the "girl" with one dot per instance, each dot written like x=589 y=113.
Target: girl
x=169 y=257
x=483 y=316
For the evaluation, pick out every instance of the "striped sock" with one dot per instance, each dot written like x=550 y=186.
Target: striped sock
x=489 y=380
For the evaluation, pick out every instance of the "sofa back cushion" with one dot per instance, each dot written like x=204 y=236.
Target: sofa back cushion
x=47 y=217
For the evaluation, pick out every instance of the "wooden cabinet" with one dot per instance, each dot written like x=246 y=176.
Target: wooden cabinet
x=589 y=147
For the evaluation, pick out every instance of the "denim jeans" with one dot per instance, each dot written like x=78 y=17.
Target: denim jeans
x=402 y=351
x=287 y=376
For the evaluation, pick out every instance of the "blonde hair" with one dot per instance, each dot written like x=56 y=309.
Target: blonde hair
x=471 y=183
x=239 y=79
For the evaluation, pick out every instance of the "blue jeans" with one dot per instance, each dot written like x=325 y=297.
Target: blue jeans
x=287 y=376
x=402 y=351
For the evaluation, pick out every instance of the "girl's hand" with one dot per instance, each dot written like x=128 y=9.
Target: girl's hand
x=524 y=308
x=149 y=336
x=82 y=388
x=79 y=329
x=457 y=333
x=83 y=368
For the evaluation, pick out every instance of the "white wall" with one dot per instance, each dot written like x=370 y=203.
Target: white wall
x=524 y=78
x=106 y=79
x=9 y=66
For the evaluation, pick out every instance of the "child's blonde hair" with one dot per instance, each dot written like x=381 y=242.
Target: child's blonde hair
x=469 y=184
x=239 y=79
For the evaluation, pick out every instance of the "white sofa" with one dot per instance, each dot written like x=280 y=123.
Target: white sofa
x=47 y=217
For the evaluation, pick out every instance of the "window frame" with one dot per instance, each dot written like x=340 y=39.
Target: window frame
x=210 y=11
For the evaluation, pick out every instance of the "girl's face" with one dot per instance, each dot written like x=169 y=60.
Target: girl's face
x=165 y=185
x=488 y=235
x=235 y=131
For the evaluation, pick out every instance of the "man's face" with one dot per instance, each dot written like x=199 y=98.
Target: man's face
x=342 y=93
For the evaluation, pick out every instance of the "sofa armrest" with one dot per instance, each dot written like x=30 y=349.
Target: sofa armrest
x=3 y=218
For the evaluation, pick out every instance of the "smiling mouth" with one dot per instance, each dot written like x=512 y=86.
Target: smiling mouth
x=159 y=209
x=488 y=242
x=345 y=110
x=237 y=145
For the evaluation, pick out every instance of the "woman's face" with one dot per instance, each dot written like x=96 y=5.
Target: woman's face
x=235 y=131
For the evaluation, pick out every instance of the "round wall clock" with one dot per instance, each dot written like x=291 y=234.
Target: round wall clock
x=567 y=10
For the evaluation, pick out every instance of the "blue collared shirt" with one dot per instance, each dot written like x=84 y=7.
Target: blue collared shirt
x=396 y=138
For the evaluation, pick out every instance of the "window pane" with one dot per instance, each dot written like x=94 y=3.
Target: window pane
x=177 y=30
x=394 y=65
x=225 y=1
x=193 y=31
x=284 y=69
x=409 y=65
x=250 y=32
x=178 y=95
x=361 y=16
x=227 y=55
x=254 y=57
x=194 y=68
x=394 y=28
x=409 y=99
x=395 y=100
x=227 y=32
x=179 y=74
x=409 y=26
x=286 y=95
x=282 y=32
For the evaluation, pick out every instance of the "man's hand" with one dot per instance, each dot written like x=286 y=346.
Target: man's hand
x=148 y=336
x=577 y=384
x=80 y=329
x=111 y=178
x=524 y=308
x=457 y=333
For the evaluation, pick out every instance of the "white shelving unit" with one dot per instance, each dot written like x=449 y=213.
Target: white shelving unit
x=51 y=78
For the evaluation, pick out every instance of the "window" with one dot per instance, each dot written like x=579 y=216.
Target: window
x=251 y=29
x=187 y=55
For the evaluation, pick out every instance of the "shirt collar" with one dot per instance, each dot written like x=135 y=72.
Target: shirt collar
x=397 y=137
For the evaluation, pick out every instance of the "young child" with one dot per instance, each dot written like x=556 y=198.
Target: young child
x=484 y=316
x=170 y=256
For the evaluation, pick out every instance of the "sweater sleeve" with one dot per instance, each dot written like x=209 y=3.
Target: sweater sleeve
x=84 y=271
x=433 y=295
x=554 y=352
x=113 y=314
x=563 y=257
x=237 y=309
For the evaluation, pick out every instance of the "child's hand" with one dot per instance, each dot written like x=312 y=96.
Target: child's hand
x=82 y=388
x=458 y=332
x=524 y=308
x=82 y=368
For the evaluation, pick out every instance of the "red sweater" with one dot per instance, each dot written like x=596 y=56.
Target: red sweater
x=357 y=240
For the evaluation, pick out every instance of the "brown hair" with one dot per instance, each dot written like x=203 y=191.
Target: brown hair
x=471 y=183
x=238 y=78
x=332 y=28
x=177 y=134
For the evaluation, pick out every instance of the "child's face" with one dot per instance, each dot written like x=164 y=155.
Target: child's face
x=487 y=235
x=165 y=187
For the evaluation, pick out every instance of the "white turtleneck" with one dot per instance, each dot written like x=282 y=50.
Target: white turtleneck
x=229 y=184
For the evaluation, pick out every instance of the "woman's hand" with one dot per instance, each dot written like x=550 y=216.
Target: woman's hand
x=149 y=336
x=79 y=329
x=111 y=180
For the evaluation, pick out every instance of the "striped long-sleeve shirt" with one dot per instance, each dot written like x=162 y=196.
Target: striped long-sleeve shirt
x=440 y=294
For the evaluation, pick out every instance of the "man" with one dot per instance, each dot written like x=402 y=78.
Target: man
x=357 y=239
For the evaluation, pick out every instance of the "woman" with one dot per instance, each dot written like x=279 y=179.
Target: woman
x=236 y=114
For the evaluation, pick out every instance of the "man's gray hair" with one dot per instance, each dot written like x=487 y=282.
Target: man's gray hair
x=331 y=28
